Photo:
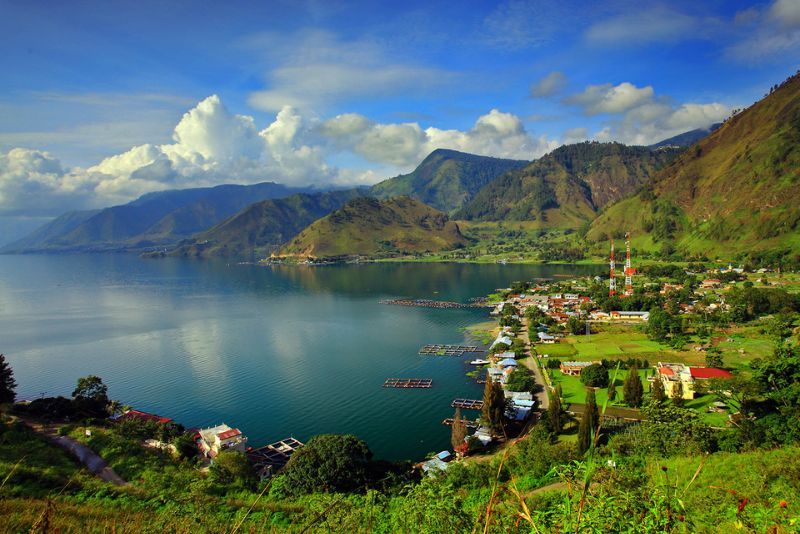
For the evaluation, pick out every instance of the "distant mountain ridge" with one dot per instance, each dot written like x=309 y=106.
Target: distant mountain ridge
x=154 y=219
x=687 y=138
x=372 y=227
x=446 y=179
x=568 y=186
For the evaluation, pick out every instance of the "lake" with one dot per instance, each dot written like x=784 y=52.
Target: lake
x=275 y=351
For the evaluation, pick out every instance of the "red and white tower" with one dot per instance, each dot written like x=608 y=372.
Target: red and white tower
x=629 y=271
x=612 y=281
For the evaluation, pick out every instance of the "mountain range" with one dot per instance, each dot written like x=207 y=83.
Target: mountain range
x=568 y=186
x=155 y=219
x=446 y=179
x=734 y=188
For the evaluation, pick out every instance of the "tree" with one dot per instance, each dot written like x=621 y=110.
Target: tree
x=91 y=387
x=458 y=431
x=576 y=326
x=657 y=392
x=632 y=388
x=589 y=423
x=520 y=380
x=677 y=394
x=713 y=357
x=555 y=414
x=595 y=376
x=90 y=397
x=328 y=463
x=231 y=468
x=612 y=391
x=493 y=405
x=8 y=385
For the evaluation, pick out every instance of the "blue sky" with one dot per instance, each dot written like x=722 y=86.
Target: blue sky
x=103 y=101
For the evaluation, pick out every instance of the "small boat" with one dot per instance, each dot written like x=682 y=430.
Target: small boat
x=479 y=362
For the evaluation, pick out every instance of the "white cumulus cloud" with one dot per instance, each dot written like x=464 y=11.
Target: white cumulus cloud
x=403 y=145
x=609 y=98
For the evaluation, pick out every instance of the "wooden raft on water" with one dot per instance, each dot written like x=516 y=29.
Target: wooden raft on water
x=426 y=303
x=408 y=383
x=467 y=423
x=468 y=404
x=449 y=350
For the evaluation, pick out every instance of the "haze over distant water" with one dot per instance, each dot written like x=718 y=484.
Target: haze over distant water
x=275 y=351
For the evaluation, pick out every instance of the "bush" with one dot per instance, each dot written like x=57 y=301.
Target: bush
x=595 y=376
x=329 y=463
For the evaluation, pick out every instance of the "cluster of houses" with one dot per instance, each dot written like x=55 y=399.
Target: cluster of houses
x=212 y=441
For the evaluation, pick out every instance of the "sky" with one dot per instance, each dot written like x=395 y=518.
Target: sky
x=104 y=101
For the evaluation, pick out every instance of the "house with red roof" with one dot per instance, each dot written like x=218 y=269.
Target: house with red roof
x=143 y=416
x=679 y=379
x=218 y=438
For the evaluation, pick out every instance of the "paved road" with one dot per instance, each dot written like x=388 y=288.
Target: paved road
x=542 y=398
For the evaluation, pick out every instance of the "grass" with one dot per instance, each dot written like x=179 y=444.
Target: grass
x=701 y=405
x=763 y=478
x=575 y=392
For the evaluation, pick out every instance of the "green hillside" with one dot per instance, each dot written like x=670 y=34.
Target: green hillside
x=371 y=227
x=261 y=227
x=446 y=179
x=566 y=187
x=734 y=191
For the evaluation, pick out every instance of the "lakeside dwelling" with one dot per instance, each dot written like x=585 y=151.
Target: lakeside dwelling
x=140 y=416
x=218 y=438
x=679 y=379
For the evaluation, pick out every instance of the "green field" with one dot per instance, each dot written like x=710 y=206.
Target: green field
x=623 y=342
x=575 y=392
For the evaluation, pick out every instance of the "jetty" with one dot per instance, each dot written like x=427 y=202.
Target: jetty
x=423 y=383
x=467 y=422
x=449 y=350
x=426 y=303
x=468 y=404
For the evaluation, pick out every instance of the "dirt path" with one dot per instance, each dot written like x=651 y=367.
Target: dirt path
x=89 y=458
x=84 y=454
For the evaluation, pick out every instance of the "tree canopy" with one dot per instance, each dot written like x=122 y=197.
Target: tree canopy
x=8 y=385
x=328 y=463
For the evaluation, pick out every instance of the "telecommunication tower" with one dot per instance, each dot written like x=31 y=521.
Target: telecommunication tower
x=612 y=281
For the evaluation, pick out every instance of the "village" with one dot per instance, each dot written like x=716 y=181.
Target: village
x=551 y=335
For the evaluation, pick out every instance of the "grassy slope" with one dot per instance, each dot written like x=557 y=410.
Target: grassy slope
x=446 y=179
x=370 y=227
x=736 y=189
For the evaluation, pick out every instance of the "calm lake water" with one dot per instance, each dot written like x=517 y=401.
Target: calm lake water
x=275 y=351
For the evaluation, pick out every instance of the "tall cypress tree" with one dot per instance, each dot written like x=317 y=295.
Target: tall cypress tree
x=8 y=385
x=657 y=392
x=589 y=422
x=458 y=431
x=493 y=405
x=555 y=414
x=632 y=389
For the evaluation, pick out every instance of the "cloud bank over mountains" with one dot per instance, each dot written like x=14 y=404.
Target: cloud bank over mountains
x=211 y=145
